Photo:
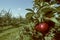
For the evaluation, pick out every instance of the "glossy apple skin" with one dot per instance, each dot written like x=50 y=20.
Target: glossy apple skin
x=42 y=27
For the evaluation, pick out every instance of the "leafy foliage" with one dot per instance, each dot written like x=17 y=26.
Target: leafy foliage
x=20 y=28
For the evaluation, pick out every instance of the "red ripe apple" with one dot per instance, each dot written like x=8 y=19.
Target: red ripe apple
x=57 y=35
x=58 y=1
x=42 y=27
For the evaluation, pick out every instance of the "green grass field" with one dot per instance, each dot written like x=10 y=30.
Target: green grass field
x=10 y=34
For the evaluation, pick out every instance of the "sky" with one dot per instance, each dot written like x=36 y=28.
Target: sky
x=17 y=7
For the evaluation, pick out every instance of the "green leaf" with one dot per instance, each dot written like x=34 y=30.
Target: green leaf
x=47 y=8
x=30 y=10
x=58 y=9
x=54 y=20
x=29 y=15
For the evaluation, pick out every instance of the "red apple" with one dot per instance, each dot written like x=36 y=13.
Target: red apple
x=42 y=27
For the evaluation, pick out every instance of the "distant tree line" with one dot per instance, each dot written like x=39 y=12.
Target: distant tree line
x=6 y=19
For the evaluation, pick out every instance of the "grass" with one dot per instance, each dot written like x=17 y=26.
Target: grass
x=10 y=34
